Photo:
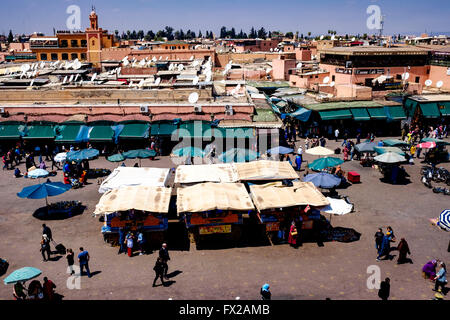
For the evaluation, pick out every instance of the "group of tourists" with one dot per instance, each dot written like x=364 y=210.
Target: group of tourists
x=130 y=241
x=35 y=291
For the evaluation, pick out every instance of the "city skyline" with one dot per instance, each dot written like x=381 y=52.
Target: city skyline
x=346 y=17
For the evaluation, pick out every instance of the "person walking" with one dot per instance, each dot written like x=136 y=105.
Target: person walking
x=130 y=243
x=441 y=278
x=298 y=162
x=159 y=271
x=121 y=240
x=83 y=259
x=49 y=289
x=70 y=260
x=45 y=247
x=141 y=242
x=336 y=134
x=379 y=239
x=47 y=231
x=292 y=239
x=385 y=248
x=164 y=255
x=265 y=292
x=403 y=250
x=385 y=289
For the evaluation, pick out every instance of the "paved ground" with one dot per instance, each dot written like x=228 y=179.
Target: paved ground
x=336 y=270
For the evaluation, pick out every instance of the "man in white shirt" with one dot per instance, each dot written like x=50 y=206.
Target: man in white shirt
x=336 y=134
x=300 y=150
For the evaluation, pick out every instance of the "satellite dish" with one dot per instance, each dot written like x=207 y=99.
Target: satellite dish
x=208 y=78
x=353 y=39
x=299 y=65
x=25 y=67
x=405 y=76
x=65 y=80
x=160 y=58
x=268 y=70
x=180 y=67
x=154 y=59
x=71 y=78
x=332 y=83
x=141 y=83
x=31 y=83
x=326 y=79
x=118 y=70
x=167 y=58
x=124 y=59
x=142 y=62
x=76 y=78
x=125 y=63
x=321 y=37
x=158 y=81
x=439 y=84
x=195 y=81
x=93 y=77
x=428 y=82
x=333 y=37
x=192 y=58
x=195 y=63
x=193 y=97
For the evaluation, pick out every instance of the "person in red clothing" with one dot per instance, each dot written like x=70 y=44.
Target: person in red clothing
x=49 y=286
x=292 y=239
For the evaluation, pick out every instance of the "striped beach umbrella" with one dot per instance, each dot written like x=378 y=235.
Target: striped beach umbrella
x=444 y=220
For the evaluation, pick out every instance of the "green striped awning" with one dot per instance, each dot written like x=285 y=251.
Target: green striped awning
x=430 y=110
x=335 y=114
x=444 y=108
x=9 y=131
x=360 y=114
x=395 y=113
x=134 y=131
x=231 y=133
x=40 y=132
x=69 y=133
x=101 y=133
x=195 y=129
x=377 y=113
x=162 y=129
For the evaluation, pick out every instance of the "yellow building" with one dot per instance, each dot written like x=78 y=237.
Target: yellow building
x=71 y=45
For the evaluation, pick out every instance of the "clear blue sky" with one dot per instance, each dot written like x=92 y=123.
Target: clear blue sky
x=317 y=16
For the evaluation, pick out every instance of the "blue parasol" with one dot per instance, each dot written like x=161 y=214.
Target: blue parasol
x=323 y=180
x=22 y=274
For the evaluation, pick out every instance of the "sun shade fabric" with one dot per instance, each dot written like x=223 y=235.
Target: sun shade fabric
x=231 y=133
x=40 y=132
x=377 y=113
x=195 y=130
x=335 y=114
x=319 y=151
x=444 y=108
x=145 y=198
x=9 y=131
x=274 y=195
x=162 y=129
x=220 y=172
x=69 y=133
x=134 y=131
x=430 y=110
x=101 y=133
x=394 y=143
x=131 y=176
x=360 y=114
x=213 y=196
x=265 y=170
x=395 y=113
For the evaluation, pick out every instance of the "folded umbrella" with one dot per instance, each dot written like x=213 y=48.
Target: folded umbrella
x=22 y=274
x=326 y=162
x=319 y=151
x=395 y=143
x=323 y=180
x=116 y=157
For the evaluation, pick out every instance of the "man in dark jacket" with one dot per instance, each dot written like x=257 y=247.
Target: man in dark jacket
x=385 y=289
x=46 y=230
x=159 y=271
x=379 y=239
x=164 y=255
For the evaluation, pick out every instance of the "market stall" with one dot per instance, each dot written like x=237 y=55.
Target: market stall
x=265 y=170
x=189 y=174
x=132 y=176
x=142 y=208
x=278 y=205
x=209 y=209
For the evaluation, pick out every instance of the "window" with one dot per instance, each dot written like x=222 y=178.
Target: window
x=398 y=77
x=417 y=79
x=333 y=78
x=84 y=43
x=73 y=56
x=74 y=43
x=64 y=44
x=54 y=56
x=83 y=56
x=65 y=56
x=43 y=56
